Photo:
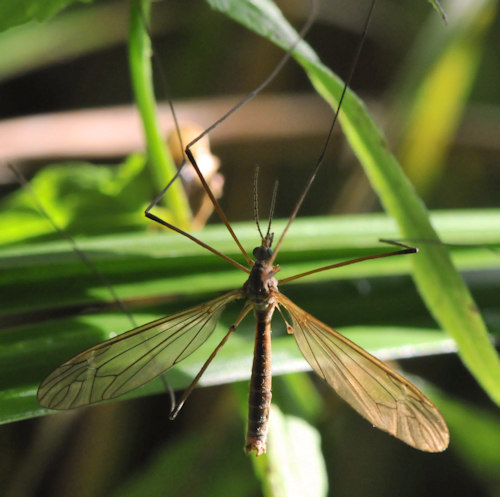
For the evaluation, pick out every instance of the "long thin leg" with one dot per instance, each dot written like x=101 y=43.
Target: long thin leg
x=250 y=96
x=187 y=392
x=193 y=162
x=159 y=220
x=406 y=250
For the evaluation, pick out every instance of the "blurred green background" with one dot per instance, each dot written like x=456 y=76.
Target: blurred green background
x=432 y=88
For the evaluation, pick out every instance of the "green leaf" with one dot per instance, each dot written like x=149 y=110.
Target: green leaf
x=14 y=12
x=442 y=288
x=148 y=265
x=66 y=36
x=439 y=9
x=79 y=197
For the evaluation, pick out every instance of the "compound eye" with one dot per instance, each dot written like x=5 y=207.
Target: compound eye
x=262 y=253
x=258 y=253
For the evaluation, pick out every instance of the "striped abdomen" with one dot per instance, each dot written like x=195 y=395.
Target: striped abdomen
x=260 y=384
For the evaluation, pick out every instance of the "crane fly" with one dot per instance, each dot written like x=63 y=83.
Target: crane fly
x=124 y=363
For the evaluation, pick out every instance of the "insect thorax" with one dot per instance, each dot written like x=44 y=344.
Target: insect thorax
x=260 y=285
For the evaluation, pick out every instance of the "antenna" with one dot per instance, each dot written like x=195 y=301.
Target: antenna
x=271 y=209
x=256 y=201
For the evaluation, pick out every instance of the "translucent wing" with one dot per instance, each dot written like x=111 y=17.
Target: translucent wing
x=128 y=361
x=378 y=393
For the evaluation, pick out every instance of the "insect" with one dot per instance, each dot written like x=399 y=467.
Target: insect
x=119 y=365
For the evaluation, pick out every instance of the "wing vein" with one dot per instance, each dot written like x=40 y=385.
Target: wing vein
x=382 y=396
x=127 y=361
